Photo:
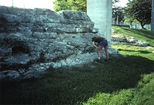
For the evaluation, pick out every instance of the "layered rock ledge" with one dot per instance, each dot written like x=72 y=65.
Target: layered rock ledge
x=34 y=40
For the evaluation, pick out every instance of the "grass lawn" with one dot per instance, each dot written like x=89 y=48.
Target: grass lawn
x=124 y=80
x=143 y=35
x=135 y=51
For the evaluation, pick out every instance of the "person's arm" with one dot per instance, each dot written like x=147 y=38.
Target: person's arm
x=93 y=43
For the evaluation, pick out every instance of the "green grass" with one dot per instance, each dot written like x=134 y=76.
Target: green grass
x=135 y=51
x=81 y=84
x=143 y=35
x=124 y=80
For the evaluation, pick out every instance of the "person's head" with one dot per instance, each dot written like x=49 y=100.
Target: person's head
x=93 y=38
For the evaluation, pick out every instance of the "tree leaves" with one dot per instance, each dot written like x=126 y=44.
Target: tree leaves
x=139 y=10
x=79 y=5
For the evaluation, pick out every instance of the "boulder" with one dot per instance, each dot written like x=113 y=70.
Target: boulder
x=34 y=40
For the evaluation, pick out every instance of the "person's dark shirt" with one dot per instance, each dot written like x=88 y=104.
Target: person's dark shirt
x=98 y=39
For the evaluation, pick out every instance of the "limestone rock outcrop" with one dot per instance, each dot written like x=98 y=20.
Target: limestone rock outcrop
x=34 y=40
x=127 y=40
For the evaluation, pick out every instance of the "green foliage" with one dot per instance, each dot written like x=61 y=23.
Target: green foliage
x=115 y=1
x=79 y=5
x=139 y=10
x=118 y=14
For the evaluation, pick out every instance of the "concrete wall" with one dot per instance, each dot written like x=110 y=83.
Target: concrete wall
x=100 y=12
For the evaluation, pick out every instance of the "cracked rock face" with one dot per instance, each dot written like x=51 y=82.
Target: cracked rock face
x=34 y=40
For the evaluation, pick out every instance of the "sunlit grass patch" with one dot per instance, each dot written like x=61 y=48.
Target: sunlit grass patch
x=135 y=51
x=143 y=35
x=141 y=95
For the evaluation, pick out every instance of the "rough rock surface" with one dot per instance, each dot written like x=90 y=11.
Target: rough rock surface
x=34 y=40
x=128 y=40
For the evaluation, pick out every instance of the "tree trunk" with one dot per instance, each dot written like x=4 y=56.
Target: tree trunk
x=117 y=21
x=142 y=25
x=152 y=17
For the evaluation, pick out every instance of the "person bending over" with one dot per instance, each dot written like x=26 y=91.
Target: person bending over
x=102 y=43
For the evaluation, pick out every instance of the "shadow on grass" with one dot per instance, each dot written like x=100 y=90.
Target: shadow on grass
x=140 y=51
x=70 y=86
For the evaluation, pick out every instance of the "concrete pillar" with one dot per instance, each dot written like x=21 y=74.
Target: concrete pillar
x=12 y=3
x=100 y=12
x=152 y=19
